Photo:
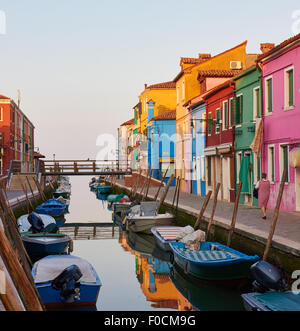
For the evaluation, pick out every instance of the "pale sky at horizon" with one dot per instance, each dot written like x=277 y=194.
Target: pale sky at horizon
x=81 y=65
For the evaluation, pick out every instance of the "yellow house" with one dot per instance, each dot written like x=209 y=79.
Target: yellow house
x=189 y=86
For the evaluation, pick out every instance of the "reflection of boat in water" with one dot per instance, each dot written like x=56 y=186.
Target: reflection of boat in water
x=203 y=295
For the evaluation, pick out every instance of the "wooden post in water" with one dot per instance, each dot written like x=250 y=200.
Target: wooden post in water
x=235 y=211
x=143 y=187
x=276 y=215
x=39 y=188
x=205 y=204
x=30 y=187
x=18 y=275
x=213 y=210
x=175 y=194
x=162 y=200
x=9 y=206
x=178 y=192
x=137 y=184
x=161 y=184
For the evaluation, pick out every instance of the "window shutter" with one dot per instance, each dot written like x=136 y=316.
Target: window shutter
x=291 y=88
x=270 y=96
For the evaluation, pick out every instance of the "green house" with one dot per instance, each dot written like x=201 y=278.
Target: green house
x=247 y=108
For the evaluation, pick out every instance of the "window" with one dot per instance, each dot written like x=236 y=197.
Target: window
x=257 y=169
x=289 y=88
x=225 y=115
x=218 y=117
x=239 y=110
x=183 y=91
x=209 y=124
x=271 y=163
x=269 y=95
x=284 y=160
x=203 y=123
x=256 y=103
x=231 y=112
x=194 y=128
x=1 y=114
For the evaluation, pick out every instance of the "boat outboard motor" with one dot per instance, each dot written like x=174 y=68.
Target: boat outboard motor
x=68 y=285
x=267 y=278
x=37 y=225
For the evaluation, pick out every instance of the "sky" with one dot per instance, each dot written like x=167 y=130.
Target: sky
x=81 y=64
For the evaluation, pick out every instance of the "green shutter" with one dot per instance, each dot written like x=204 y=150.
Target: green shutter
x=226 y=115
x=209 y=123
x=273 y=164
x=286 y=161
x=270 y=96
x=231 y=112
x=218 y=121
x=291 y=87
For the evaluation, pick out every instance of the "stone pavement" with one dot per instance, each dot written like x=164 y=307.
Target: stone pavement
x=249 y=219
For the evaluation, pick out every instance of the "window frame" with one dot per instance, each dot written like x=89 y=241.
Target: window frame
x=281 y=161
x=271 y=172
x=239 y=96
x=218 y=124
x=267 y=112
x=225 y=122
x=256 y=103
x=287 y=106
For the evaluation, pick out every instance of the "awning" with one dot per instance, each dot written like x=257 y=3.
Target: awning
x=210 y=151
x=224 y=149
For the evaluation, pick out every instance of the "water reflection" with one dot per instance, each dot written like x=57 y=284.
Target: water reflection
x=136 y=274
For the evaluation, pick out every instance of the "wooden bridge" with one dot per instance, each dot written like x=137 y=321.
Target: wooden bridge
x=83 y=168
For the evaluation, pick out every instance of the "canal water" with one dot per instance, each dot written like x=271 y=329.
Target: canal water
x=135 y=275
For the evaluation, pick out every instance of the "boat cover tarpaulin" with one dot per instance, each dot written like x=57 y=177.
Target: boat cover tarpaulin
x=50 y=267
x=200 y=256
x=280 y=301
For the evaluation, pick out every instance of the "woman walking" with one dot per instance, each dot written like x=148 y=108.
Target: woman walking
x=263 y=187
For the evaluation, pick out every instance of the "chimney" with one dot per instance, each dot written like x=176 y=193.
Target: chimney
x=266 y=47
x=204 y=57
x=146 y=85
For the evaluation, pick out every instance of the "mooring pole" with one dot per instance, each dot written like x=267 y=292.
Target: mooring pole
x=213 y=210
x=205 y=204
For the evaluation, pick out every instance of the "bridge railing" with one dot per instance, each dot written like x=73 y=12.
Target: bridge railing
x=78 y=167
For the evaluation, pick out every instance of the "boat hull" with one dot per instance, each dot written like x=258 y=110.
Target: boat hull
x=143 y=224
x=232 y=269
x=42 y=246
x=161 y=243
x=65 y=195
x=104 y=189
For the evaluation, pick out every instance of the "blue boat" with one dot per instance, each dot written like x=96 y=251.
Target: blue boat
x=104 y=189
x=65 y=280
x=40 y=237
x=213 y=261
x=52 y=207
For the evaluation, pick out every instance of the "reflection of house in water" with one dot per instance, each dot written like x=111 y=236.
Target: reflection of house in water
x=153 y=276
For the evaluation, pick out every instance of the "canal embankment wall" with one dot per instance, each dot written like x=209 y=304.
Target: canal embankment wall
x=248 y=238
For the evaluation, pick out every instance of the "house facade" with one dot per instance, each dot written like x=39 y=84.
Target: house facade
x=219 y=140
x=248 y=110
x=17 y=137
x=280 y=69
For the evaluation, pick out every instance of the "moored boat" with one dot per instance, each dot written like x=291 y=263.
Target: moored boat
x=41 y=221
x=62 y=192
x=213 y=261
x=144 y=223
x=63 y=280
x=52 y=207
x=104 y=189
x=164 y=235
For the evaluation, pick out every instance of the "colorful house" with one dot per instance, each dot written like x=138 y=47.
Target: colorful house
x=219 y=151
x=162 y=140
x=247 y=110
x=195 y=78
x=154 y=100
x=126 y=143
x=16 y=137
x=280 y=69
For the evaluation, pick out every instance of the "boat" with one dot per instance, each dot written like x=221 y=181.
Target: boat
x=145 y=217
x=52 y=207
x=65 y=280
x=112 y=198
x=164 y=235
x=119 y=207
x=104 y=189
x=204 y=295
x=62 y=192
x=213 y=261
x=40 y=237
x=66 y=202
x=271 y=291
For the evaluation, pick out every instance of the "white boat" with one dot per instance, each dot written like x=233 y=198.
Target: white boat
x=24 y=225
x=164 y=235
x=147 y=218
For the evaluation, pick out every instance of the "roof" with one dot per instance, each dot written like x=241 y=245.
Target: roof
x=219 y=73
x=218 y=88
x=171 y=115
x=285 y=43
x=165 y=85
x=130 y=122
x=191 y=67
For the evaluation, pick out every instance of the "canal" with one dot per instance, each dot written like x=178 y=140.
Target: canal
x=135 y=275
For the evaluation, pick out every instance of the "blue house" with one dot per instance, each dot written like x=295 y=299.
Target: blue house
x=198 y=127
x=161 y=145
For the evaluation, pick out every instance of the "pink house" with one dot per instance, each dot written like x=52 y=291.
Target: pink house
x=281 y=113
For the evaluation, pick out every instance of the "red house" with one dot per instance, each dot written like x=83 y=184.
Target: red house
x=16 y=138
x=219 y=153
